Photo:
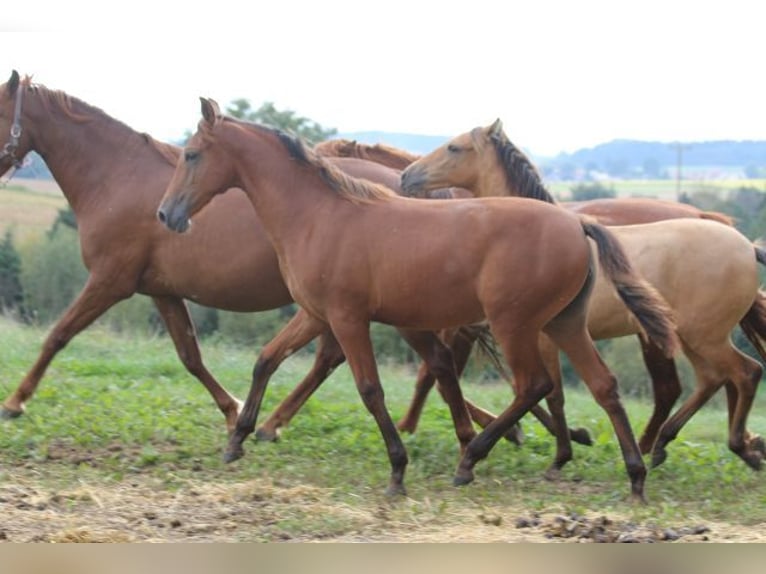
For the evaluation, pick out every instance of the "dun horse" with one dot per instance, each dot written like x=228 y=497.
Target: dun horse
x=706 y=271
x=352 y=253
x=114 y=177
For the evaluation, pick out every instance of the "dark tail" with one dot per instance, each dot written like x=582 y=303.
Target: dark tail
x=653 y=313
x=753 y=324
x=481 y=335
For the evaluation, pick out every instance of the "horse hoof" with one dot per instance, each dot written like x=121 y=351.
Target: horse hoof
x=462 y=477
x=266 y=435
x=232 y=454
x=754 y=460
x=7 y=414
x=757 y=444
x=658 y=457
x=515 y=435
x=406 y=426
x=396 y=490
x=638 y=499
x=552 y=474
x=581 y=436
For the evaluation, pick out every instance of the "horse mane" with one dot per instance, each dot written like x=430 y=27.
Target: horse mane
x=379 y=153
x=169 y=152
x=79 y=111
x=520 y=174
x=353 y=189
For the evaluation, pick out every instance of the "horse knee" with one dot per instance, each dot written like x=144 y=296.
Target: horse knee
x=606 y=392
x=370 y=394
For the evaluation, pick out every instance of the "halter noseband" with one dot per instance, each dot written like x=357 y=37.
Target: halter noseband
x=9 y=149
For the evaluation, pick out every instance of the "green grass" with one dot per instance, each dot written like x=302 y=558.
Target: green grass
x=106 y=390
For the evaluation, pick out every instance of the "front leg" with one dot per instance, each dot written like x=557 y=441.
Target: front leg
x=298 y=332
x=328 y=356
x=354 y=338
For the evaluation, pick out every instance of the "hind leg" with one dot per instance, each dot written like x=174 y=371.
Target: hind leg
x=715 y=365
x=531 y=383
x=666 y=388
x=555 y=400
x=441 y=364
x=573 y=339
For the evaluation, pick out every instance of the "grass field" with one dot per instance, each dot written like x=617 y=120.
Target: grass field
x=29 y=207
x=121 y=444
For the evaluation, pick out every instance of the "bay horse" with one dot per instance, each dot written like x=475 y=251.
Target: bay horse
x=352 y=252
x=711 y=290
x=113 y=178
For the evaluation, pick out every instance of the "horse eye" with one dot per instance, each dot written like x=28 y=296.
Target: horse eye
x=191 y=155
x=452 y=148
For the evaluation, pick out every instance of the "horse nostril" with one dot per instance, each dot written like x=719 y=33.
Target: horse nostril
x=161 y=215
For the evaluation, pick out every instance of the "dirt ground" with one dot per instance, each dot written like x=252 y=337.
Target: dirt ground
x=139 y=510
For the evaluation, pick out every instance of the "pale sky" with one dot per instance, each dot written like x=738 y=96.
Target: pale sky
x=561 y=75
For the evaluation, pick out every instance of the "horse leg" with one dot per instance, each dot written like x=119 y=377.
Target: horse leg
x=92 y=302
x=354 y=338
x=725 y=364
x=709 y=380
x=531 y=384
x=754 y=441
x=461 y=344
x=579 y=435
x=573 y=339
x=328 y=356
x=423 y=385
x=666 y=388
x=441 y=364
x=426 y=379
x=175 y=314
x=298 y=332
x=555 y=400
x=745 y=445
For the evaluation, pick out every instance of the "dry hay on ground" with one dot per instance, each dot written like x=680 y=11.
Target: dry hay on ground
x=140 y=509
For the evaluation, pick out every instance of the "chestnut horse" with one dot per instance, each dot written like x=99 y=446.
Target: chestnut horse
x=609 y=211
x=710 y=289
x=379 y=153
x=113 y=177
x=353 y=252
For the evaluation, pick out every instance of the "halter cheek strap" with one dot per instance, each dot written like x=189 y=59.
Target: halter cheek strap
x=9 y=149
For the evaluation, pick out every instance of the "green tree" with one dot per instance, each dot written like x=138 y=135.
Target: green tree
x=588 y=191
x=11 y=292
x=286 y=120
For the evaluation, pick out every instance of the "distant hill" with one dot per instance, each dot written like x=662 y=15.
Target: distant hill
x=642 y=159
x=626 y=159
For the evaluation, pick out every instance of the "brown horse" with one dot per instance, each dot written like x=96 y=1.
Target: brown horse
x=113 y=177
x=710 y=290
x=379 y=153
x=609 y=211
x=352 y=253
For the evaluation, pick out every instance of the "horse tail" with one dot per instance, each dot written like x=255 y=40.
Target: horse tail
x=753 y=324
x=717 y=216
x=482 y=335
x=652 y=311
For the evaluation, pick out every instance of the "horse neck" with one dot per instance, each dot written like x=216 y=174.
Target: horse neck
x=285 y=194
x=83 y=153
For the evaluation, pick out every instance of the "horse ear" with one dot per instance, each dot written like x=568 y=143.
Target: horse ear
x=496 y=128
x=13 y=82
x=210 y=110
